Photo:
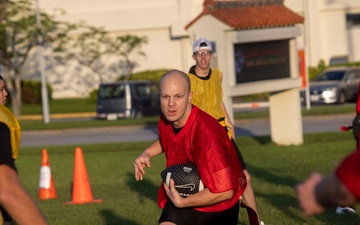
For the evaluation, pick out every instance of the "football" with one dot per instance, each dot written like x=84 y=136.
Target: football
x=186 y=178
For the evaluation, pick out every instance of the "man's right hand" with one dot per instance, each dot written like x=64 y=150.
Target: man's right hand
x=140 y=163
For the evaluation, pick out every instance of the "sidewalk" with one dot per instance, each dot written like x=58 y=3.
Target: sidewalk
x=59 y=116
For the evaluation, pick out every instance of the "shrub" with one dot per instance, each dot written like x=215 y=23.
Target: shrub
x=314 y=71
x=31 y=92
x=93 y=95
x=153 y=75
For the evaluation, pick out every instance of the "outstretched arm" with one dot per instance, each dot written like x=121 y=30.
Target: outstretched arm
x=318 y=192
x=16 y=200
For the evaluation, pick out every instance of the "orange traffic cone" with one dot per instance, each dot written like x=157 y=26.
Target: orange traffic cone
x=81 y=192
x=46 y=183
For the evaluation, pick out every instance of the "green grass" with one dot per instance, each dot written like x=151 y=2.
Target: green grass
x=275 y=171
x=57 y=106
x=53 y=125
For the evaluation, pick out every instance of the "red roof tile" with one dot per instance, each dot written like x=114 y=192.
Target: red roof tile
x=250 y=14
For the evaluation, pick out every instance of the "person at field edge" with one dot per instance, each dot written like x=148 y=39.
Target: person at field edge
x=341 y=187
x=207 y=94
x=356 y=120
x=356 y=133
x=189 y=135
x=15 y=201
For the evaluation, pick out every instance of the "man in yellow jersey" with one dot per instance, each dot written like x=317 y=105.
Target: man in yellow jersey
x=15 y=201
x=207 y=95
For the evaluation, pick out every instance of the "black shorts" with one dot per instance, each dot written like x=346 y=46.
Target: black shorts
x=190 y=216
x=240 y=157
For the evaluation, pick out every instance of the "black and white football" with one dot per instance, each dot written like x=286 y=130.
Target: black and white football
x=186 y=178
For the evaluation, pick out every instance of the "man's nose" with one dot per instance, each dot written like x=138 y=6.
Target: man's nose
x=171 y=101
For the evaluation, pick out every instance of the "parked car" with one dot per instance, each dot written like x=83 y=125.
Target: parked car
x=131 y=99
x=334 y=85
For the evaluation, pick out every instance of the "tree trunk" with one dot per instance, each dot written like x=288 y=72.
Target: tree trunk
x=131 y=66
x=15 y=92
x=15 y=104
x=11 y=92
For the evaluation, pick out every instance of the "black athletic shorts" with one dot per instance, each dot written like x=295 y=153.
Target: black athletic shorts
x=190 y=216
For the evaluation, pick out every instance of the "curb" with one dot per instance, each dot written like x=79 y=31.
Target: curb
x=253 y=105
x=59 y=116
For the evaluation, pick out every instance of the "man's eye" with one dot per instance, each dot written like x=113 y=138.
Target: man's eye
x=203 y=53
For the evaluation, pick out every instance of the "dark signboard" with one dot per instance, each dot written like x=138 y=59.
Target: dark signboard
x=262 y=61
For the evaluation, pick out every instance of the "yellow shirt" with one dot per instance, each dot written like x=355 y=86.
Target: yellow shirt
x=212 y=89
x=207 y=94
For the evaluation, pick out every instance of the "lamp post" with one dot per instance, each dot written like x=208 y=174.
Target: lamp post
x=44 y=93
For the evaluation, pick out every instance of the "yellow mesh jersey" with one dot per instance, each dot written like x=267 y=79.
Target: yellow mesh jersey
x=8 y=118
x=212 y=89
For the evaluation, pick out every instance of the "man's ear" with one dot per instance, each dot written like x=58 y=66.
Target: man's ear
x=190 y=97
x=193 y=56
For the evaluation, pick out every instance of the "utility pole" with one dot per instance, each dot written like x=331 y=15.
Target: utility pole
x=44 y=93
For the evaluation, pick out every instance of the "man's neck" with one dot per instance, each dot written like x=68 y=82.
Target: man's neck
x=202 y=72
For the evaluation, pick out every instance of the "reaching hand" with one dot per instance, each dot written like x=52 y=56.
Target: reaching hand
x=140 y=163
x=306 y=195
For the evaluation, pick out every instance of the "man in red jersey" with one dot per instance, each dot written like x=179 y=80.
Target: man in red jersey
x=189 y=135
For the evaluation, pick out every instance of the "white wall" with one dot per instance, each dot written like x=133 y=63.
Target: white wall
x=161 y=21
x=324 y=33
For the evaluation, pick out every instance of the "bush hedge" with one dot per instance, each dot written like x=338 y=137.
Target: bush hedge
x=31 y=92
x=313 y=71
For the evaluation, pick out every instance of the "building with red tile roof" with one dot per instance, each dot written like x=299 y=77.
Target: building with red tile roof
x=250 y=14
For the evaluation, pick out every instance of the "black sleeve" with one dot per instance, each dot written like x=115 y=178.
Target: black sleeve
x=356 y=127
x=5 y=158
x=5 y=147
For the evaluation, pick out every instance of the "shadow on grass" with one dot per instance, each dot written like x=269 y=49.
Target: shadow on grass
x=281 y=202
x=262 y=140
x=244 y=133
x=110 y=218
x=286 y=203
x=144 y=188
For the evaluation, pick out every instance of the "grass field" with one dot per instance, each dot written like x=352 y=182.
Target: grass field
x=275 y=171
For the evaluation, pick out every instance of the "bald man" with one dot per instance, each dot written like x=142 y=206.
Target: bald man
x=189 y=135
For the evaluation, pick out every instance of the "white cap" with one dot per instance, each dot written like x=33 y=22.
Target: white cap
x=201 y=44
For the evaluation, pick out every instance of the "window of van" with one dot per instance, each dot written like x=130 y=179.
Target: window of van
x=112 y=91
x=142 y=90
x=154 y=90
